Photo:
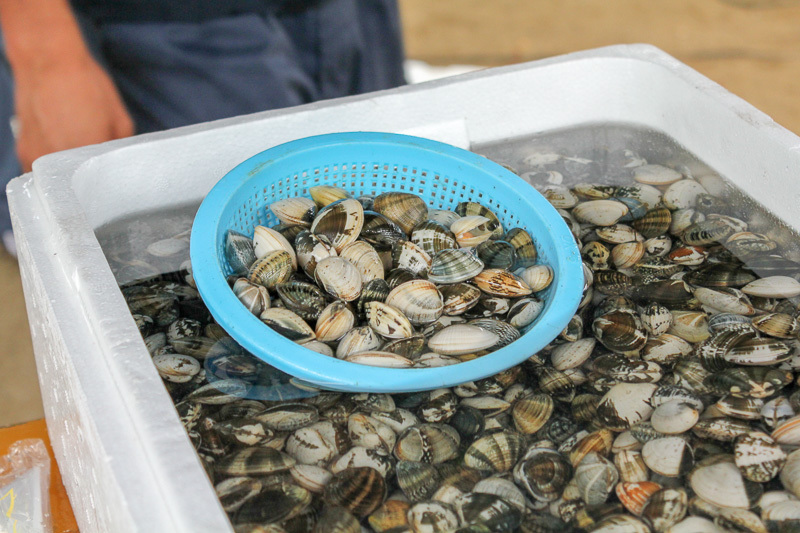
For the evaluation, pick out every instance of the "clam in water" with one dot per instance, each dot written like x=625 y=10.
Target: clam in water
x=334 y=266
x=669 y=404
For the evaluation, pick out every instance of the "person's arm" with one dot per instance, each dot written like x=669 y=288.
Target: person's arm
x=64 y=99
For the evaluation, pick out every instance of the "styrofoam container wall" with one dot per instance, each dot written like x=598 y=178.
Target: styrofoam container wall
x=125 y=459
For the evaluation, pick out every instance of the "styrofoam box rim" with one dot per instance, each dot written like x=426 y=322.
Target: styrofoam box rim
x=118 y=411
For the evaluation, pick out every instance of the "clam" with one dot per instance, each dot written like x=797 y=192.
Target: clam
x=378 y=358
x=725 y=299
x=324 y=195
x=417 y=480
x=334 y=322
x=239 y=252
x=498 y=452
x=600 y=212
x=365 y=258
x=304 y=299
x=537 y=277
x=718 y=481
x=668 y=456
x=458 y=298
x=559 y=196
x=759 y=352
x=778 y=325
x=405 y=209
x=443 y=216
x=597 y=254
x=596 y=478
x=388 y=321
x=361 y=339
x=277 y=503
x=408 y=256
x=656 y=175
x=359 y=456
x=773 y=287
x=176 y=368
x=266 y=240
x=339 y=277
x=498 y=282
x=375 y=290
x=488 y=511
x=532 y=413
x=466 y=209
x=419 y=300
x=674 y=417
x=341 y=222
x=472 y=230
x=665 y=508
x=620 y=331
x=625 y=405
x=524 y=312
x=432 y=517
x=235 y=491
x=689 y=255
x=524 y=247
x=683 y=194
x=665 y=349
x=429 y=443
x=462 y=339
x=631 y=467
x=634 y=495
x=758 y=457
x=656 y=319
x=295 y=211
x=380 y=231
x=311 y=249
x=391 y=515
x=454 y=266
x=572 y=354
x=255 y=461
x=288 y=324
x=254 y=297
x=433 y=237
x=627 y=254
x=273 y=268
x=654 y=223
x=335 y=519
x=360 y=490
x=315 y=444
x=497 y=254
x=706 y=232
x=692 y=326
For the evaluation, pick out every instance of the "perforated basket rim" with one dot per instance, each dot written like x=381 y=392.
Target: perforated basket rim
x=334 y=374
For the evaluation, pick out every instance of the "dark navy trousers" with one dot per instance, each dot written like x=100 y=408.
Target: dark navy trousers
x=174 y=73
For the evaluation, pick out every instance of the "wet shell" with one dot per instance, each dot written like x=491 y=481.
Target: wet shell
x=706 y=232
x=335 y=519
x=419 y=300
x=365 y=259
x=315 y=444
x=788 y=432
x=524 y=312
x=377 y=358
x=501 y=283
x=633 y=495
x=392 y=514
x=778 y=325
x=625 y=405
x=429 y=443
x=255 y=461
x=537 y=277
x=254 y=297
x=458 y=298
x=388 y=321
x=454 y=266
x=327 y=194
x=357 y=340
x=694 y=524
x=720 y=275
x=665 y=349
x=239 y=252
x=341 y=222
x=654 y=223
x=668 y=456
x=683 y=194
x=373 y=291
x=466 y=209
x=725 y=299
x=631 y=467
x=497 y=254
x=759 y=352
x=611 y=282
x=688 y=255
x=311 y=249
x=656 y=175
x=460 y=339
x=572 y=354
x=472 y=230
x=432 y=517
x=418 y=481
x=597 y=253
x=433 y=237
x=339 y=277
x=758 y=457
x=234 y=492
x=276 y=503
x=675 y=417
x=380 y=231
x=596 y=478
x=334 y=321
x=524 y=247
x=790 y=474
x=295 y=211
x=600 y=212
x=656 y=319
x=627 y=254
x=665 y=508
x=532 y=413
x=620 y=331
x=176 y=368
x=273 y=268
x=302 y=298
x=360 y=490
x=773 y=287
x=406 y=210
x=718 y=481
x=288 y=324
x=488 y=511
x=408 y=256
x=692 y=326
x=498 y=452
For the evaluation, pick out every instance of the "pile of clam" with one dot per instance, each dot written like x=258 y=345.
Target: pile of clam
x=669 y=404
x=385 y=281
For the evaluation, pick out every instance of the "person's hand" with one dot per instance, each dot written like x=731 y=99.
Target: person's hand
x=66 y=104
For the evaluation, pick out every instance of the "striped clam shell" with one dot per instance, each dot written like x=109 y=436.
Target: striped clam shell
x=454 y=266
x=305 y=299
x=620 y=331
x=498 y=282
x=498 y=452
x=596 y=477
x=405 y=209
x=419 y=300
x=654 y=223
x=633 y=495
x=433 y=237
x=388 y=321
x=543 y=473
x=254 y=461
x=466 y=209
x=497 y=254
x=429 y=443
x=267 y=240
x=273 y=268
x=360 y=490
x=524 y=312
x=324 y=195
x=254 y=297
x=460 y=339
x=334 y=322
x=408 y=256
x=356 y=340
x=239 y=252
x=458 y=298
x=417 y=480
x=392 y=514
x=627 y=254
x=276 y=503
x=537 y=277
x=665 y=508
x=341 y=222
x=530 y=414
x=365 y=259
x=311 y=249
x=779 y=325
x=339 y=277
x=759 y=352
x=380 y=231
x=288 y=324
x=572 y=354
x=295 y=211
x=524 y=247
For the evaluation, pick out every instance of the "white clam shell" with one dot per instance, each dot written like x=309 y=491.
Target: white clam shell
x=388 y=321
x=695 y=524
x=433 y=360
x=572 y=354
x=419 y=300
x=618 y=234
x=773 y=287
x=674 y=417
x=319 y=347
x=656 y=175
x=384 y=359
x=462 y=339
x=627 y=254
x=720 y=483
x=334 y=322
x=668 y=456
x=625 y=405
x=339 y=277
x=356 y=340
x=471 y=230
x=600 y=212
x=311 y=477
x=365 y=259
x=683 y=194
x=538 y=277
x=266 y=240
x=691 y=326
x=176 y=368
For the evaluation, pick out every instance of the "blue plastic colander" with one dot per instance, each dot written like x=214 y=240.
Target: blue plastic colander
x=370 y=164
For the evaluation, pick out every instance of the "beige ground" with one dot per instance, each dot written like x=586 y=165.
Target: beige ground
x=752 y=47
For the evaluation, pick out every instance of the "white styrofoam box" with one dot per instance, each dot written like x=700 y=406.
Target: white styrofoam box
x=126 y=461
